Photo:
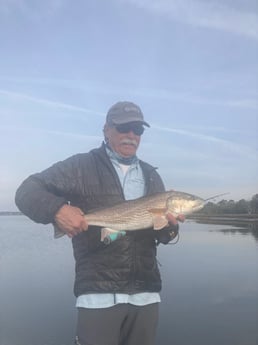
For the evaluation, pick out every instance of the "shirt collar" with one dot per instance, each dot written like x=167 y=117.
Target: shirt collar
x=120 y=159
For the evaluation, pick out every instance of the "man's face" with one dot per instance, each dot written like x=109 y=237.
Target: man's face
x=124 y=143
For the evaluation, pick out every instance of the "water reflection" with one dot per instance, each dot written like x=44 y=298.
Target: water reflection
x=210 y=286
x=251 y=228
x=243 y=228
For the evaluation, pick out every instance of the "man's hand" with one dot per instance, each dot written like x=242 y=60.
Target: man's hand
x=71 y=220
x=174 y=220
x=168 y=233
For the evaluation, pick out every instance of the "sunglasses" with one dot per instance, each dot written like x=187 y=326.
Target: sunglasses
x=137 y=129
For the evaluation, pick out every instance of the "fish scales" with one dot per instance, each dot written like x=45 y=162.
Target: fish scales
x=143 y=213
x=133 y=214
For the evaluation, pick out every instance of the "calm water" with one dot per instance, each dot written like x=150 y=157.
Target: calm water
x=210 y=286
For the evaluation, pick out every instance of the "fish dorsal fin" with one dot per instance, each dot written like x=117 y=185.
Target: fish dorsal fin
x=159 y=222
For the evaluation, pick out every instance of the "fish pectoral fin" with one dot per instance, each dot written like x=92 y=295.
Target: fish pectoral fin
x=173 y=214
x=105 y=232
x=159 y=218
x=157 y=211
x=159 y=222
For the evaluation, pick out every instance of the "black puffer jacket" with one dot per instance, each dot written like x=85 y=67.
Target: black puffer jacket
x=89 y=181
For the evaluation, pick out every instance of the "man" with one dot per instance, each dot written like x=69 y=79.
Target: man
x=117 y=285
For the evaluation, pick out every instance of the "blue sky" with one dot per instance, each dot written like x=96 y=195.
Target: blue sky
x=191 y=65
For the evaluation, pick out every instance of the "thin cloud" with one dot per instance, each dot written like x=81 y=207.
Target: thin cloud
x=236 y=148
x=204 y=14
x=188 y=97
x=31 y=9
x=70 y=135
x=158 y=93
x=246 y=103
x=46 y=102
x=215 y=129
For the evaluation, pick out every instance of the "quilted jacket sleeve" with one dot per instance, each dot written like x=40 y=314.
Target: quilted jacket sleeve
x=41 y=195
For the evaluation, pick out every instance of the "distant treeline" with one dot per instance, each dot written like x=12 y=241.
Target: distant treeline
x=10 y=213
x=222 y=207
x=232 y=207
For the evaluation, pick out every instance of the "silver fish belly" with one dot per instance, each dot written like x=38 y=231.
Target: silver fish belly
x=143 y=213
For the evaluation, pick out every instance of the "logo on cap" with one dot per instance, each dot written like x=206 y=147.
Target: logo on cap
x=132 y=109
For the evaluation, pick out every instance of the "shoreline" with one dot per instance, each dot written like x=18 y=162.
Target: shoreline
x=225 y=217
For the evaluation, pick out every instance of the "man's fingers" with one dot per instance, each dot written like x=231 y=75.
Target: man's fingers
x=181 y=218
x=76 y=229
x=71 y=220
x=174 y=220
x=171 y=219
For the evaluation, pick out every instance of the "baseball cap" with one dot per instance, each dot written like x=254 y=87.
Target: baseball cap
x=125 y=112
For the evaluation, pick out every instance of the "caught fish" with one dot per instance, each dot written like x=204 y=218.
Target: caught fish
x=143 y=213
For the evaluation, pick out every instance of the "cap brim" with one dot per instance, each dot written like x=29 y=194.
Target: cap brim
x=123 y=121
x=146 y=124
